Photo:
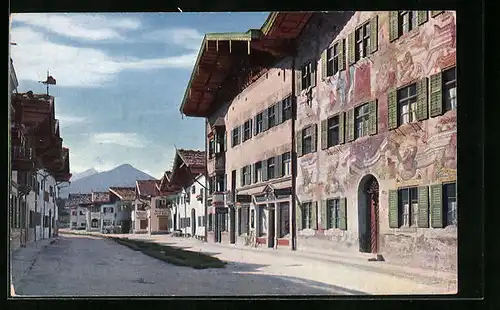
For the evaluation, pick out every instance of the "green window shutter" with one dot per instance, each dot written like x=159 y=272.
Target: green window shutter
x=314 y=215
x=374 y=34
x=251 y=173
x=254 y=129
x=324 y=214
x=324 y=64
x=278 y=107
x=298 y=81
x=437 y=206
x=343 y=213
x=341 y=44
x=225 y=141
x=324 y=134
x=392 y=110
x=422 y=101
x=349 y=134
x=254 y=174
x=298 y=215
x=393 y=25
x=313 y=72
x=250 y=125
x=423 y=207
x=298 y=142
x=278 y=171
x=436 y=13
x=422 y=17
x=315 y=138
x=372 y=123
x=263 y=165
x=436 y=100
x=351 y=51
x=265 y=119
x=393 y=209
x=341 y=127
x=242 y=178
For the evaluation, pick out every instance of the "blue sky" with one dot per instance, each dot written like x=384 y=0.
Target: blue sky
x=120 y=80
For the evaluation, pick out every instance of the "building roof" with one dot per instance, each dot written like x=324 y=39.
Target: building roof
x=225 y=57
x=78 y=199
x=147 y=187
x=192 y=158
x=100 y=197
x=124 y=193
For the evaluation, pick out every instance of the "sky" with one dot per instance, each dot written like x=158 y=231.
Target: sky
x=120 y=80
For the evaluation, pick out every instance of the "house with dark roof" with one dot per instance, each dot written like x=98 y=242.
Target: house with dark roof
x=94 y=210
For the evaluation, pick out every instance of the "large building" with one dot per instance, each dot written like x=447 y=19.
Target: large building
x=359 y=107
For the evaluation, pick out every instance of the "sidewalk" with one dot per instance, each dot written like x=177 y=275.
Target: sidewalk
x=22 y=259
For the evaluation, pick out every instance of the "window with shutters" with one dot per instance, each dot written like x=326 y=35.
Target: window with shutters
x=258 y=123
x=450 y=89
x=286 y=106
x=408 y=206
x=407 y=21
x=407 y=104
x=307 y=140
x=306 y=210
x=362 y=37
x=258 y=172
x=211 y=147
x=193 y=189
x=333 y=213
x=236 y=136
x=247 y=130
x=246 y=176
x=306 y=75
x=271 y=116
x=270 y=168
x=333 y=59
x=361 y=120
x=286 y=164
x=333 y=131
x=450 y=203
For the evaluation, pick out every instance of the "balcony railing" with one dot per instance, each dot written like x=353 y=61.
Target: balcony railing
x=22 y=153
x=217 y=162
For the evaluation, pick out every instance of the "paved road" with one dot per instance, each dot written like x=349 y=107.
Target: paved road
x=88 y=266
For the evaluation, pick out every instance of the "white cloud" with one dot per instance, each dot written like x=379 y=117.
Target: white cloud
x=66 y=120
x=186 y=37
x=119 y=138
x=75 y=66
x=80 y=26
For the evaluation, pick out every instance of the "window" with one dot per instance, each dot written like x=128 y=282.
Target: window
x=333 y=131
x=286 y=164
x=286 y=106
x=333 y=59
x=73 y=224
x=236 y=136
x=74 y=213
x=94 y=223
x=407 y=104
x=407 y=21
x=270 y=168
x=247 y=130
x=332 y=213
x=450 y=203
x=193 y=189
x=210 y=222
x=246 y=176
x=252 y=218
x=262 y=221
x=258 y=123
x=450 y=89
x=51 y=191
x=271 y=116
x=211 y=147
x=362 y=36
x=219 y=183
x=307 y=140
x=82 y=212
x=81 y=224
x=258 y=172
x=222 y=223
x=201 y=193
x=408 y=206
x=306 y=210
x=306 y=75
x=362 y=118
x=143 y=224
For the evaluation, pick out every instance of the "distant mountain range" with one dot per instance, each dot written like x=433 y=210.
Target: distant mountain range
x=92 y=180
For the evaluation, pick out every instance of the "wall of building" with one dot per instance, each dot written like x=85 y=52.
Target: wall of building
x=78 y=218
x=197 y=205
x=422 y=153
x=159 y=213
x=108 y=216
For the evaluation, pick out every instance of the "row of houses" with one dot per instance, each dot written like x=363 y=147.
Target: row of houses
x=332 y=130
x=39 y=165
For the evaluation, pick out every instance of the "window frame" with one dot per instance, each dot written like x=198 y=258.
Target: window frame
x=247 y=131
x=259 y=123
x=235 y=136
x=333 y=61
x=258 y=172
x=446 y=86
x=363 y=119
x=331 y=129
x=270 y=166
x=247 y=175
x=286 y=160
x=307 y=135
x=412 y=21
x=362 y=38
x=306 y=209
x=286 y=106
x=333 y=210
x=446 y=204
x=271 y=116
x=408 y=217
x=410 y=100
x=306 y=76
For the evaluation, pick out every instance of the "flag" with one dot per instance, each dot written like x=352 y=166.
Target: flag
x=50 y=80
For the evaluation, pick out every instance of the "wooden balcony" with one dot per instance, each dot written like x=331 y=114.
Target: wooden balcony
x=22 y=158
x=217 y=163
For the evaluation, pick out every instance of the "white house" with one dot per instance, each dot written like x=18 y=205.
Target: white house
x=78 y=204
x=42 y=205
x=195 y=207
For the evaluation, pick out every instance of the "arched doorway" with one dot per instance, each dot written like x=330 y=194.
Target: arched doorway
x=193 y=222
x=368 y=202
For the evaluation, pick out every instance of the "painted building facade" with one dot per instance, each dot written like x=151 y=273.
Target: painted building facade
x=377 y=173
x=121 y=205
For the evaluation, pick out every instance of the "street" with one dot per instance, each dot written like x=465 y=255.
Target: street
x=79 y=265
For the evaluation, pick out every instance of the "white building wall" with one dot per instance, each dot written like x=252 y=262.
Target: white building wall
x=196 y=189
x=108 y=216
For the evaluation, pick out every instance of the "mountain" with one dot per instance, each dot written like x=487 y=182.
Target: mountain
x=84 y=174
x=123 y=175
